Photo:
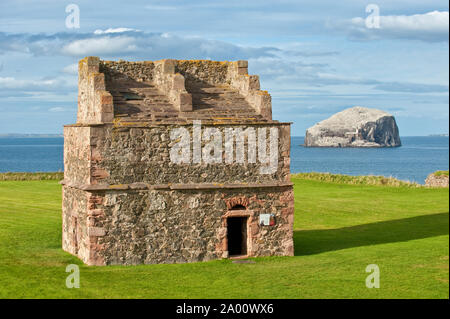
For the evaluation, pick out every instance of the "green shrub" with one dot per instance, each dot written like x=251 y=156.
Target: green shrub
x=441 y=173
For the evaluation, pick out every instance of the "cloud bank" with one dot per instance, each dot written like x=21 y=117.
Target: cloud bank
x=429 y=27
x=128 y=42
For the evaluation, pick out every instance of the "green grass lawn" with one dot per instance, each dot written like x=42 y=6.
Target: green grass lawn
x=339 y=230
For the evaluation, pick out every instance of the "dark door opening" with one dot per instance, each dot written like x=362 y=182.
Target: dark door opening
x=237 y=236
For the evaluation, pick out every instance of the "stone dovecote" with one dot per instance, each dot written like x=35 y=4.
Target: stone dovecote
x=154 y=171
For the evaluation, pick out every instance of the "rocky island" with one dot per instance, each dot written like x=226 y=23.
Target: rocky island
x=355 y=127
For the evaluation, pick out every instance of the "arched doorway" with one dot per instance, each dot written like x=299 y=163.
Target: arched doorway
x=237 y=230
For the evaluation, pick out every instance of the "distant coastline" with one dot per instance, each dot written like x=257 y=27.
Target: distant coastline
x=12 y=135
x=17 y=135
x=413 y=162
x=443 y=135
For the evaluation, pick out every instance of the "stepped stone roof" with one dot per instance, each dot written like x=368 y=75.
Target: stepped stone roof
x=170 y=91
x=143 y=101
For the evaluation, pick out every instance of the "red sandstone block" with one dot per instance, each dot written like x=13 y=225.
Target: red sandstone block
x=168 y=66
x=107 y=117
x=185 y=102
x=178 y=82
x=286 y=212
x=94 y=257
x=291 y=219
x=224 y=244
x=96 y=212
x=238 y=200
x=242 y=64
x=106 y=98
x=253 y=82
x=99 y=173
x=288 y=248
x=91 y=221
x=95 y=199
x=96 y=155
x=242 y=71
x=96 y=231
x=254 y=230
x=98 y=81
x=91 y=60
x=222 y=232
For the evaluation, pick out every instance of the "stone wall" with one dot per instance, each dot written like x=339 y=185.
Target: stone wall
x=210 y=72
x=233 y=73
x=437 y=181
x=127 y=155
x=180 y=214
x=75 y=238
x=166 y=226
x=95 y=103
x=172 y=84
x=125 y=201
x=77 y=154
x=83 y=225
x=125 y=70
x=170 y=76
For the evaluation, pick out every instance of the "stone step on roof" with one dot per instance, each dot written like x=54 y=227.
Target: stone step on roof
x=141 y=102
x=144 y=102
x=222 y=117
x=216 y=97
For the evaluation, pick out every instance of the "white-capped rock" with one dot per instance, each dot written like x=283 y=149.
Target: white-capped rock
x=355 y=127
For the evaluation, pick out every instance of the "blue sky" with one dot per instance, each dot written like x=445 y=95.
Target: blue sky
x=314 y=57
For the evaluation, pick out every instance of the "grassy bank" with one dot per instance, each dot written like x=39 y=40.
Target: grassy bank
x=322 y=177
x=339 y=230
x=355 y=180
x=50 y=176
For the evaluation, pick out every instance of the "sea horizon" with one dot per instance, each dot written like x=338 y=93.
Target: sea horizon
x=51 y=135
x=413 y=161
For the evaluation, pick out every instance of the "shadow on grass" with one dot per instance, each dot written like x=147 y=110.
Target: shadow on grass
x=309 y=242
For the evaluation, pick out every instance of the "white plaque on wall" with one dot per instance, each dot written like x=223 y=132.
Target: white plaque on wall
x=264 y=219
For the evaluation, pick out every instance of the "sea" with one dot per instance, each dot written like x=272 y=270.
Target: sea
x=413 y=161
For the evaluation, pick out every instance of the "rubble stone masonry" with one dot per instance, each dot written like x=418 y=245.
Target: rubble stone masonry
x=125 y=202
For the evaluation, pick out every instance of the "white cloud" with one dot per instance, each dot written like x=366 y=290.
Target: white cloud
x=47 y=89
x=135 y=45
x=100 y=46
x=71 y=69
x=114 y=30
x=13 y=83
x=318 y=75
x=158 y=8
x=432 y=27
x=432 y=22
x=57 y=109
